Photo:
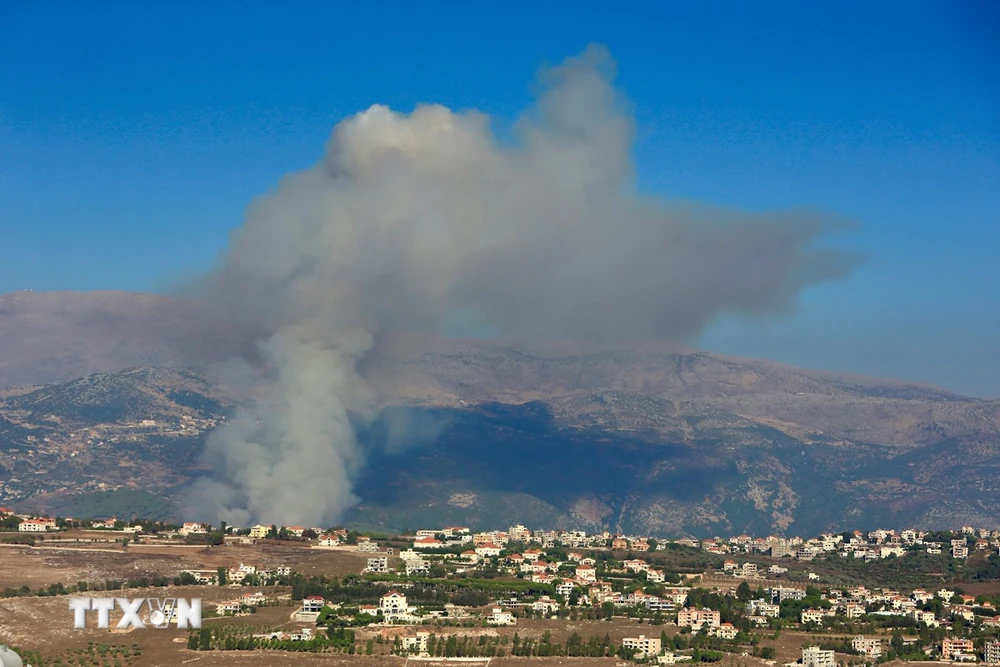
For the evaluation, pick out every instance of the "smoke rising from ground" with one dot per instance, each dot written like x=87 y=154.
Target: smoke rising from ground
x=409 y=219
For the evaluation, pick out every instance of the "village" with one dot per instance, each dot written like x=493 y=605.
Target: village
x=453 y=592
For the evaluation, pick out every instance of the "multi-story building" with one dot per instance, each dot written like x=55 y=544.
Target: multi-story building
x=416 y=566
x=780 y=594
x=313 y=604
x=193 y=528
x=35 y=526
x=815 y=615
x=393 y=603
x=367 y=546
x=814 y=656
x=518 y=533
x=991 y=653
x=952 y=648
x=763 y=608
x=856 y=610
x=726 y=631
x=416 y=643
x=779 y=549
x=377 y=564
x=869 y=646
x=696 y=619
x=500 y=617
x=642 y=645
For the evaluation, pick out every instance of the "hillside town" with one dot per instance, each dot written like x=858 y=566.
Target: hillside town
x=719 y=596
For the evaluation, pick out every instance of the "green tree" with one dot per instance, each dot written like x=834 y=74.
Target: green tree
x=743 y=591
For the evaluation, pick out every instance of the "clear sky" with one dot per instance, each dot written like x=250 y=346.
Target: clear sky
x=133 y=135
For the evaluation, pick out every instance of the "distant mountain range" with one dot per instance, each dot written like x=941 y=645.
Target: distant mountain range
x=661 y=440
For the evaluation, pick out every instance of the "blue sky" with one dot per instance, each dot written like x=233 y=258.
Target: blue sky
x=133 y=135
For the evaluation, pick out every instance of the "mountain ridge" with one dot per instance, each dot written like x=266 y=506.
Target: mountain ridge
x=660 y=438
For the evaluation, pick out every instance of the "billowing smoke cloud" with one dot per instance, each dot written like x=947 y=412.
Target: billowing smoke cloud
x=410 y=219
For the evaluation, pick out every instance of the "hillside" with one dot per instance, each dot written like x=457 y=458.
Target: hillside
x=661 y=389
x=657 y=439
x=138 y=429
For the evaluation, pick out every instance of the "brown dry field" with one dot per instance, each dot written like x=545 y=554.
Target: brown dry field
x=67 y=563
x=979 y=587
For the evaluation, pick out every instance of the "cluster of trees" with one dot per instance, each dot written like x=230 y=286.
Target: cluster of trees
x=465 y=646
x=792 y=609
x=987 y=569
x=901 y=650
x=84 y=586
x=428 y=592
x=704 y=648
x=100 y=655
x=240 y=638
x=575 y=646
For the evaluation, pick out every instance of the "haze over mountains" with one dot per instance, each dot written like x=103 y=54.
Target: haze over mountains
x=53 y=336
x=660 y=440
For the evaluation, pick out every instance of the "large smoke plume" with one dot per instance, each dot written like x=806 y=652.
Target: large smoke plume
x=410 y=219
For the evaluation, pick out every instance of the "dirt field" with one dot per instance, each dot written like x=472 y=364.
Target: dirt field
x=68 y=562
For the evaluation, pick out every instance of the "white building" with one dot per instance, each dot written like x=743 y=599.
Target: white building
x=192 y=528
x=394 y=608
x=815 y=615
x=488 y=550
x=763 y=608
x=499 y=616
x=35 y=525
x=367 y=546
x=869 y=646
x=992 y=653
x=313 y=604
x=377 y=564
x=697 y=619
x=642 y=645
x=416 y=566
x=518 y=533
x=726 y=631
x=415 y=644
x=814 y=656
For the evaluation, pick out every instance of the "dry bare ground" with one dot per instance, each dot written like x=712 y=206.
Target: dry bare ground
x=69 y=562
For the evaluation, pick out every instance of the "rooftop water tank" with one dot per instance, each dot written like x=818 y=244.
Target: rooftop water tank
x=9 y=659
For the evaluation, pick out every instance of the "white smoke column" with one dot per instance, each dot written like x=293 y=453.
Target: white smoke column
x=409 y=219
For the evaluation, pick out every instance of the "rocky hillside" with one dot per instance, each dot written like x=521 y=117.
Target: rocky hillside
x=142 y=429
x=661 y=390
x=659 y=439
